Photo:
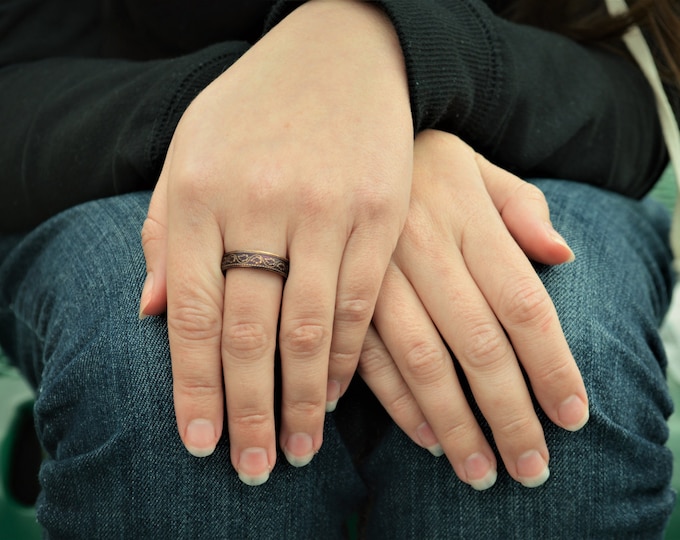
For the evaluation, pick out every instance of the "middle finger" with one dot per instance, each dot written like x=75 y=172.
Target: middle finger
x=305 y=338
x=252 y=300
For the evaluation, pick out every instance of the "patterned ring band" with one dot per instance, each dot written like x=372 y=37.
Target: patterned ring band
x=255 y=259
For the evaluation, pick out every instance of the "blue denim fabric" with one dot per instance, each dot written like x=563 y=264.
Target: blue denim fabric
x=116 y=468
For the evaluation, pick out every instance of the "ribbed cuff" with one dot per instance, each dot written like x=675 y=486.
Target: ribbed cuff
x=452 y=60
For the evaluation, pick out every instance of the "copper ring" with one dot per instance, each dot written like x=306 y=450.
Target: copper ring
x=255 y=259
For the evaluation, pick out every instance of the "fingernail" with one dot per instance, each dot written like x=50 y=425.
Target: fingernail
x=481 y=474
x=429 y=440
x=299 y=449
x=253 y=466
x=200 y=437
x=573 y=413
x=557 y=238
x=146 y=296
x=332 y=395
x=532 y=469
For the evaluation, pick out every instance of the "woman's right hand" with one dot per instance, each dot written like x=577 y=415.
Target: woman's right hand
x=461 y=275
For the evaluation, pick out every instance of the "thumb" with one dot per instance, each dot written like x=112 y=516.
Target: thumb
x=525 y=212
x=154 y=241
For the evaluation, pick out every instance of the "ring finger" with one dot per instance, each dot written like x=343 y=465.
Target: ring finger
x=252 y=300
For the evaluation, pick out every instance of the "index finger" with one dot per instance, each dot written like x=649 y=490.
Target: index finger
x=523 y=307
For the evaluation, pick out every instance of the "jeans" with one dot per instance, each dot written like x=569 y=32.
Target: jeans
x=115 y=466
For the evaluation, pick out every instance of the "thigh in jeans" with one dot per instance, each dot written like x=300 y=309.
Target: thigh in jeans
x=116 y=468
x=612 y=478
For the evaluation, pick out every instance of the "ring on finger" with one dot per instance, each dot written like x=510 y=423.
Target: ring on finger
x=262 y=260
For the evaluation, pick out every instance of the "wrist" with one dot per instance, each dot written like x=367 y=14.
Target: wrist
x=346 y=29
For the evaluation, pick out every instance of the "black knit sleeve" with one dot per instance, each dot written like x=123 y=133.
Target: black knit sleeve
x=532 y=101
x=73 y=126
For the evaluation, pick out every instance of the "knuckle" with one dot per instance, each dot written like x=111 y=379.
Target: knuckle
x=316 y=205
x=343 y=362
x=196 y=387
x=402 y=404
x=246 y=340
x=151 y=230
x=422 y=232
x=515 y=427
x=263 y=181
x=425 y=362
x=412 y=227
x=190 y=178
x=250 y=419
x=357 y=309
x=195 y=322
x=377 y=203
x=372 y=361
x=530 y=192
x=305 y=338
x=527 y=304
x=552 y=373
x=305 y=409
x=379 y=207
x=484 y=345
x=457 y=431
x=314 y=202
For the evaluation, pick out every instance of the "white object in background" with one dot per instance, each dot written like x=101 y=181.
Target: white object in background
x=635 y=41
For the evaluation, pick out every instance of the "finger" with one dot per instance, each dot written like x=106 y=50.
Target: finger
x=305 y=337
x=528 y=315
x=526 y=215
x=252 y=300
x=195 y=297
x=153 y=300
x=469 y=326
x=380 y=373
x=457 y=305
x=363 y=267
x=428 y=370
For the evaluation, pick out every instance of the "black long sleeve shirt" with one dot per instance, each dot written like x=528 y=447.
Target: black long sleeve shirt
x=91 y=92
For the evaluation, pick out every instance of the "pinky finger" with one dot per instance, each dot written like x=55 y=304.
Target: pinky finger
x=382 y=376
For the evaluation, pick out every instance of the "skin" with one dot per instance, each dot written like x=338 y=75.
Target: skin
x=461 y=272
x=317 y=165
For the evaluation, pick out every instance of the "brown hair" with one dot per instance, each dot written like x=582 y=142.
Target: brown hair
x=588 y=21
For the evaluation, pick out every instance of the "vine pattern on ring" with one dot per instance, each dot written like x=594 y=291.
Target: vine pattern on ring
x=255 y=259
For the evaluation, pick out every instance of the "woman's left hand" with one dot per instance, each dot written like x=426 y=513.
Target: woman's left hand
x=461 y=275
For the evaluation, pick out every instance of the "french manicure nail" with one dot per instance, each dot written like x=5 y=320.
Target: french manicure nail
x=481 y=474
x=253 y=466
x=146 y=296
x=573 y=413
x=532 y=469
x=200 y=437
x=557 y=238
x=299 y=449
x=332 y=395
x=429 y=440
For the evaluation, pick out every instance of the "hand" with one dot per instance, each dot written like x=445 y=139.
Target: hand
x=459 y=272
x=302 y=148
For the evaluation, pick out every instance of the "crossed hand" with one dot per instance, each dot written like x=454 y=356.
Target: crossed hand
x=304 y=149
